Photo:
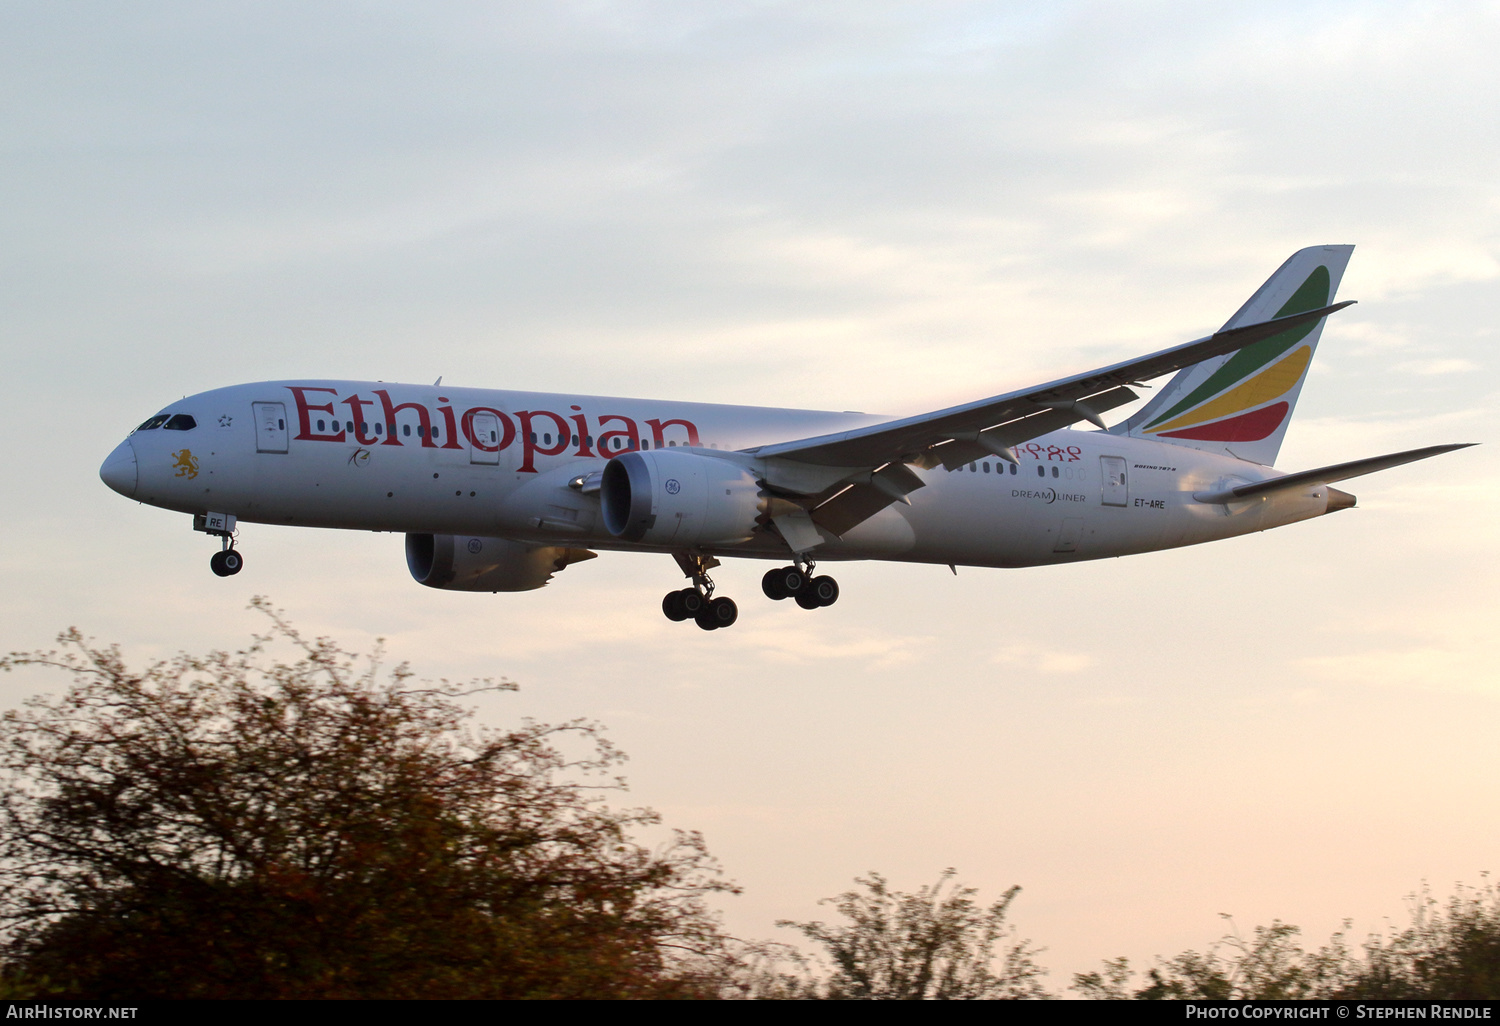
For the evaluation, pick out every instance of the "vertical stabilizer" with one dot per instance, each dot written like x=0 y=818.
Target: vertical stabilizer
x=1240 y=404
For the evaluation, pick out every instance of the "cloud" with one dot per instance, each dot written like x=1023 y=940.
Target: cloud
x=1044 y=660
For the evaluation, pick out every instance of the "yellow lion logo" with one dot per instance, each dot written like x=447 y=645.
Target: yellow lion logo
x=186 y=463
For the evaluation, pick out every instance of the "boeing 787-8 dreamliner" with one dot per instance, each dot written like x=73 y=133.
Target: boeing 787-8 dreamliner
x=500 y=490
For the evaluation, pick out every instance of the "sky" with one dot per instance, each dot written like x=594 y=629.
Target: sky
x=889 y=207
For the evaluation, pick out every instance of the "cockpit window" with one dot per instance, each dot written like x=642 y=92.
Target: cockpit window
x=155 y=422
x=180 y=422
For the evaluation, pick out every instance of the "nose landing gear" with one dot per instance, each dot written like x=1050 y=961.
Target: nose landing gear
x=227 y=561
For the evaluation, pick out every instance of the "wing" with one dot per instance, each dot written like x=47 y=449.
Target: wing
x=1015 y=417
x=876 y=456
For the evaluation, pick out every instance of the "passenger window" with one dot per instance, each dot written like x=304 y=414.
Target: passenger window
x=406 y=430
x=320 y=426
x=1041 y=471
x=349 y=426
x=986 y=468
x=1054 y=471
x=547 y=438
x=1014 y=469
x=180 y=422
x=435 y=432
x=378 y=429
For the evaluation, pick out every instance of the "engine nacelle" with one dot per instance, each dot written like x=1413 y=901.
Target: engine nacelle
x=667 y=497
x=459 y=563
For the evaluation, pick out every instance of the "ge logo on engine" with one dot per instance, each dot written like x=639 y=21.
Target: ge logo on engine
x=475 y=545
x=673 y=486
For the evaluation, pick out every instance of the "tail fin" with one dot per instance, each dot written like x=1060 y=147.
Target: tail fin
x=1241 y=403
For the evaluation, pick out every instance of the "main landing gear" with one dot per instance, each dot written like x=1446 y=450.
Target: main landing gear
x=697 y=603
x=798 y=582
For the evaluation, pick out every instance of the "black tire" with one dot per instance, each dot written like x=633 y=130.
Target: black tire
x=232 y=562
x=783 y=582
x=824 y=589
x=807 y=600
x=692 y=602
x=671 y=606
x=721 y=612
x=216 y=564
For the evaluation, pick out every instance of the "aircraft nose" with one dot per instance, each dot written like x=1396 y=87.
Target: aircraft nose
x=119 y=469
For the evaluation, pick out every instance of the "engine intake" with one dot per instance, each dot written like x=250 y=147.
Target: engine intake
x=666 y=497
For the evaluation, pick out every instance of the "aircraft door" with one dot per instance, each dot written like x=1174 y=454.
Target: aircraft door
x=1116 y=491
x=270 y=427
x=484 y=444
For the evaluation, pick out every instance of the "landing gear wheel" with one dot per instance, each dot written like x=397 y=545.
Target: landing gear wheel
x=783 y=582
x=824 y=589
x=819 y=592
x=226 y=563
x=682 y=605
x=691 y=602
x=721 y=612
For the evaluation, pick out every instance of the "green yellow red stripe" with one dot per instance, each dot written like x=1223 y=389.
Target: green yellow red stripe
x=1275 y=381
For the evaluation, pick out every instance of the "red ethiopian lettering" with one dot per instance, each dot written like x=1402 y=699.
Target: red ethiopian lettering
x=529 y=447
x=356 y=407
x=447 y=412
x=659 y=428
x=508 y=430
x=390 y=410
x=631 y=434
x=583 y=432
x=304 y=409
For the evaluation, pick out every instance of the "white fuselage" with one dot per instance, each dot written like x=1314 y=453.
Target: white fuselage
x=441 y=460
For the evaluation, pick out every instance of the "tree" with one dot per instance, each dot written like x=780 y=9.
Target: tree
x=1448 y=952
x=252 y=826
x=923 y=945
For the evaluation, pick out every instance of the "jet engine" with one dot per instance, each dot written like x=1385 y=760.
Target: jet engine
x=458 y=563
x=679 y=498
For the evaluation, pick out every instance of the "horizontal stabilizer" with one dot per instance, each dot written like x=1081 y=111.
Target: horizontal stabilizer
x=1326 y=475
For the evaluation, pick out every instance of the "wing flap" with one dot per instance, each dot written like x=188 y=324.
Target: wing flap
x=850 y=508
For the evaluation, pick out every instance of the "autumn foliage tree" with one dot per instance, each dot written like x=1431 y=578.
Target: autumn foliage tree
x=1448 y=951
x=934 y=944
x=289 y=821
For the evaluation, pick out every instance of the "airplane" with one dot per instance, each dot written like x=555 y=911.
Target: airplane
x=501 y=490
